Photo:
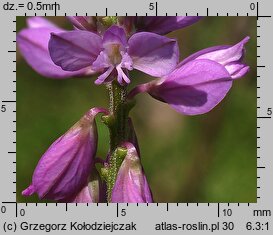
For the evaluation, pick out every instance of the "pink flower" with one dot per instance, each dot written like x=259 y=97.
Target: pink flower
x=65 y=167
x=131 y=184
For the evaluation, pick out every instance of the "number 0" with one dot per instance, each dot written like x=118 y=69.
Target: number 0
x=252 y=6
x=22 y=212
x=3 y=209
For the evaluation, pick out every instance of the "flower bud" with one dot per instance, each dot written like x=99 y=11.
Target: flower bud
x=131 y=184
x=64 y=168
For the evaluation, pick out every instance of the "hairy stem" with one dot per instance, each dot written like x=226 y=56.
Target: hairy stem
x=119 y=113
x=117 y=122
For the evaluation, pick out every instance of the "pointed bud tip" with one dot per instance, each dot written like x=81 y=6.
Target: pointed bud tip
x=246 y=39
x=121 y=152
x=28 y=191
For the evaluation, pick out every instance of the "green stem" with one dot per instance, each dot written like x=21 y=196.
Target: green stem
x=117 y=122
x=119 y=112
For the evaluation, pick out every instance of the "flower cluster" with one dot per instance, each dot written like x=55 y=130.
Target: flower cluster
x=111 y=47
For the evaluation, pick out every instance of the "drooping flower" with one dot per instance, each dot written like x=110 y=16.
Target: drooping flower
x=131 y=184
x=164 y=24
x=64 y=168
x=112 y=55
x=200 y=81
x=33 y=44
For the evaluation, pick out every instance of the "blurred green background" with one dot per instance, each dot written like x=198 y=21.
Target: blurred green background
x=207 y=158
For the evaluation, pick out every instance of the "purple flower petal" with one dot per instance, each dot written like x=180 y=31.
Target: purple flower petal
x=83 y=22
x=85 y=196
x=122 y=77
x=163 y=25
x=195 y=87
x=115 y=35
x=103 y=77
x=153 y=54
x=93 y=191
x=33 y=44
x=127 y=62
x=113 y=57
x=237 y=70
x=74 y=50
x=101 y=62
x=40 y=22
x=229 y=56
x=131 y=184
x=64 y=168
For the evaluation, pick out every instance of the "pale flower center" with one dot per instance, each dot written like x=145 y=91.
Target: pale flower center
x=113 y=52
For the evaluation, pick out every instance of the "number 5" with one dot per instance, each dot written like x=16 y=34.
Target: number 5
x=123 y=212
x=3 y=108
x=151 y=6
